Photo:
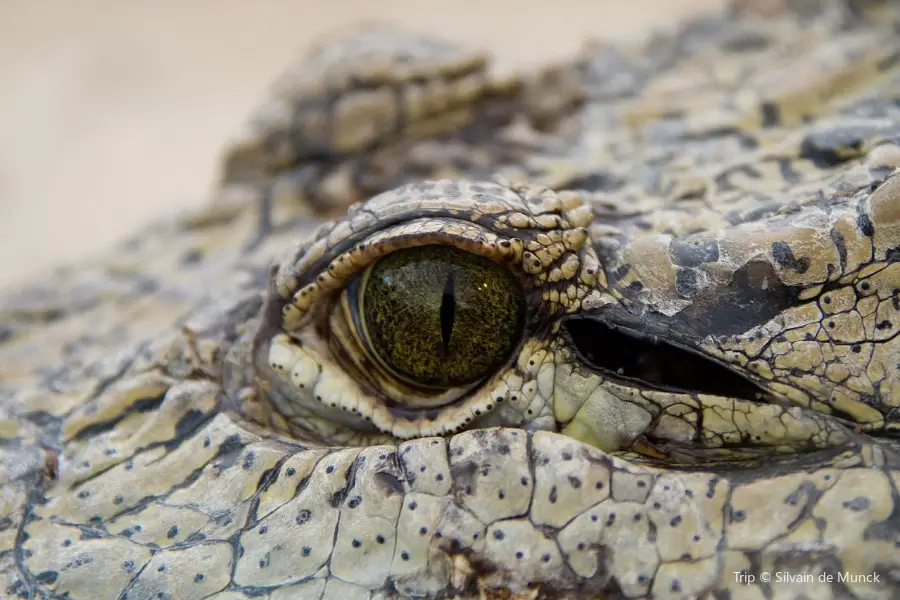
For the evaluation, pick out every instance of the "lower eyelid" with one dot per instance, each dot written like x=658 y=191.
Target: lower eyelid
x=309 y=383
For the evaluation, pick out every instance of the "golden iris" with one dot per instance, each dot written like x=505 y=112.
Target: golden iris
x=440 y=317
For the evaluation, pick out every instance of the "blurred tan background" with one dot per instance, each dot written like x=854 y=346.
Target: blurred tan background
x=114 y=112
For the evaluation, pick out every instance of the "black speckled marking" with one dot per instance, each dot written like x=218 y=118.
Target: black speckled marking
x=693 y=253
x=687 y=283
x=769 y=114
x=865 y=224
x=755 y=295
x=784 y=256
x=598 y=181
x=837 y=238
x=723 y=181
x=192 y=257
x=829 y=149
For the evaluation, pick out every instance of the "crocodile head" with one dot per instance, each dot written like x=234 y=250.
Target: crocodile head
x=675 y=376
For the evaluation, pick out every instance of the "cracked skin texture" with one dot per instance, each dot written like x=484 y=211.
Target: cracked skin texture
x=706 y=381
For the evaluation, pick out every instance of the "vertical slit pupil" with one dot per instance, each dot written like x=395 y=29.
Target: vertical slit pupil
x=448 y=310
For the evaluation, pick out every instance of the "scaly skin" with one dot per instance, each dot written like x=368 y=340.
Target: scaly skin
x=705 y=390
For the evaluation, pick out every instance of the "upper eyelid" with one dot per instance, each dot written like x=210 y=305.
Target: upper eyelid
x=298 y=300
x=496 y=206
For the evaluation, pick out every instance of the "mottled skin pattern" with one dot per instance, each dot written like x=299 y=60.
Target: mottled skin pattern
x=706 y=389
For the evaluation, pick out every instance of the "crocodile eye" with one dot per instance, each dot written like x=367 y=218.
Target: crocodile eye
x=437 y=317
x=407 y=327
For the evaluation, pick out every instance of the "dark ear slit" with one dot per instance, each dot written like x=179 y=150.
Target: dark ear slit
x=647 y=360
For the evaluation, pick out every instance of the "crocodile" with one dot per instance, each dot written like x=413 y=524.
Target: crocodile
x=623 y=327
